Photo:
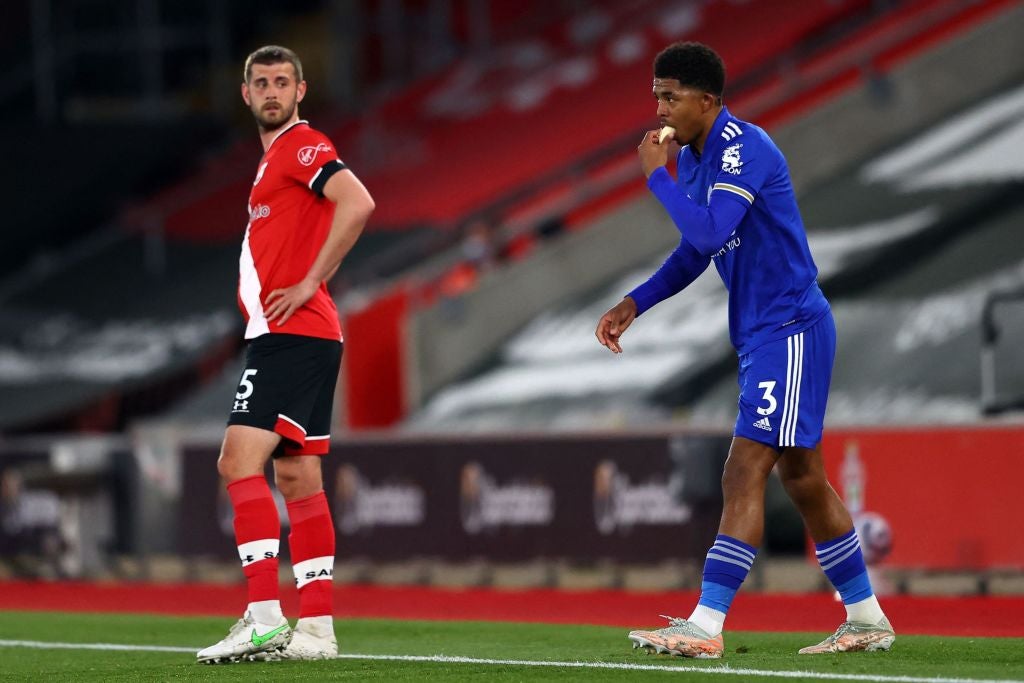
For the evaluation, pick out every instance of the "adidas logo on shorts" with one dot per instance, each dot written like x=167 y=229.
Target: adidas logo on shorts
x=764 y=424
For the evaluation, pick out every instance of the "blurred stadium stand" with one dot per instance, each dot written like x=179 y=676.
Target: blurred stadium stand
x=870 y=230
x=558 y=174
x=893 y=242
x=498 y=140
x=176 y=249
x=141 y=114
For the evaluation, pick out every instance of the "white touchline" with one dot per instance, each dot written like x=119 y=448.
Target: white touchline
x=682 y=668
x=455 y=659
x=41 y=645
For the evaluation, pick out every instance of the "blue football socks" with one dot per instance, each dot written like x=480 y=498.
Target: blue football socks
x=843 y=563
x=728 y=562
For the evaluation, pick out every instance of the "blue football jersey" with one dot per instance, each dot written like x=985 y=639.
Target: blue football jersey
x=734 y=205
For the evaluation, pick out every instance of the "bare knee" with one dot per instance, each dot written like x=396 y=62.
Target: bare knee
x=737 y=477
x=745 y=475
x=804 y=479
x=802 y=472
x=244 y=452
x=288 y=483
x=804 y=487
x=232 y=466
x=298 y=476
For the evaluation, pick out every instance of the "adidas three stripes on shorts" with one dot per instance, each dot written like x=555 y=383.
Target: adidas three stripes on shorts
x=784 y=387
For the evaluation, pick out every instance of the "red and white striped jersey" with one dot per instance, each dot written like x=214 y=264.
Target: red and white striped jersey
x=289 y=219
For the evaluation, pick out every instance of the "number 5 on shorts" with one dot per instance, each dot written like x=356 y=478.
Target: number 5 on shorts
x=246 y=388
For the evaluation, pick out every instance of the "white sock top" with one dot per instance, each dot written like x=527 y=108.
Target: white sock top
x=708 y=619
x=321 y=627
x=266 y=611
x=867 y=611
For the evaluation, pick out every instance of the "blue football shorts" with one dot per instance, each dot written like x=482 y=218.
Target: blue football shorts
x=784 y=387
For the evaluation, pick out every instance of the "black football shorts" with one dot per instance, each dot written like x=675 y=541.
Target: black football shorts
x=287 y=387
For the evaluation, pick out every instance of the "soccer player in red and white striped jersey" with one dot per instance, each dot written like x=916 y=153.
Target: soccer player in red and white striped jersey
x=306 y=211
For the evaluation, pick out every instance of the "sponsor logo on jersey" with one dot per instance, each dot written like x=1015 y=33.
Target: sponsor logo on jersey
x=729 y=246
x=307 y=154
x=731 y=159
x=764 y=424
x=259 y=211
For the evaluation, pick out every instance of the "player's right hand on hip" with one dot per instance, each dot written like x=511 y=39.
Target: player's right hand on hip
x=613 y=323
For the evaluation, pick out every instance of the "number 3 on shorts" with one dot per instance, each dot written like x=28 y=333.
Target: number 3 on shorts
x=768 y=387
x=246 y=388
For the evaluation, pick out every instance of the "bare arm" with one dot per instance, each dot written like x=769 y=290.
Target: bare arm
x=353 y=208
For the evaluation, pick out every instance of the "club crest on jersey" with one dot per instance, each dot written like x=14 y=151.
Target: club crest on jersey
x=731 y=159
x=307 y=154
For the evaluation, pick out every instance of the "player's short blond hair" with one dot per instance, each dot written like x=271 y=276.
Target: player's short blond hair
x=272 y=54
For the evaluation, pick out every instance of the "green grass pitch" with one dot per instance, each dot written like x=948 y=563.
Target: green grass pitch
x=749 y=656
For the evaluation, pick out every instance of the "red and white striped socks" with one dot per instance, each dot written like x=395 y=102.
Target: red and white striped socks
x=258 y=535
x=312 y=548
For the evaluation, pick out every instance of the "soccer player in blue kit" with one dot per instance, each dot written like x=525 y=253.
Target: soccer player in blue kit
x=734 y=205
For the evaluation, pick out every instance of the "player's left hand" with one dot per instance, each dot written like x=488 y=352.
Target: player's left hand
x=281 y=303
x=652 y=155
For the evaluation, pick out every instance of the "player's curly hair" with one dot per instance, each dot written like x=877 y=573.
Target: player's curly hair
x=692 y=64
x=272 y=54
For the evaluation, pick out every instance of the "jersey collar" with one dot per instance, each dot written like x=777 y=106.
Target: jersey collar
x=285 y=130
x=715 y=140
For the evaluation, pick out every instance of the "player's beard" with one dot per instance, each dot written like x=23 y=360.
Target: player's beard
x=267 y=123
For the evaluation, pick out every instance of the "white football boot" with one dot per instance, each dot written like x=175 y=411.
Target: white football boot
x=248 y=640
x=309 y=641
